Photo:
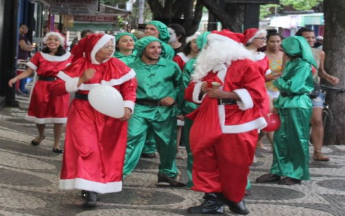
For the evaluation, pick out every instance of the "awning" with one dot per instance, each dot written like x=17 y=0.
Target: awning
x=312 y=19
x=91 y=26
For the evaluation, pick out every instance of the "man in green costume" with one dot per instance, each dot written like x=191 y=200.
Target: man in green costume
x=291 y=140
x=125 y=47
x=158 y=30
x=159 y=83
x=188 y=107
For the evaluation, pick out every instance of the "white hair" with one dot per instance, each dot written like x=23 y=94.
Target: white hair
x=218 y=53
x=261 y=31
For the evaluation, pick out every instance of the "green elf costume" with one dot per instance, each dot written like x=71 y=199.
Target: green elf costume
x=130 y=58
x=167 y=53
x=155 y=82
x=291 y=140
x=187 y=107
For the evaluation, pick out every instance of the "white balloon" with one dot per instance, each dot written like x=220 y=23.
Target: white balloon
x=107 y=100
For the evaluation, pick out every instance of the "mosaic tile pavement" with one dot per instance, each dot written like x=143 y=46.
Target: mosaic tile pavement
x=29 y=183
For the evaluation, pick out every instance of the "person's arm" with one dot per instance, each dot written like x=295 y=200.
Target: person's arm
x=25 y=46
x=128 y=92
x=323 y=74
x=23 y=75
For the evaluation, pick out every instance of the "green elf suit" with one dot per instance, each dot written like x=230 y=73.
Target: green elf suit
x=188 y=107
x=155 y=82
x=167 y=53
x=130 y=58
x=291 y=140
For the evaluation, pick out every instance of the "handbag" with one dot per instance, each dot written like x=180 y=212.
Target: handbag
x=316 y=91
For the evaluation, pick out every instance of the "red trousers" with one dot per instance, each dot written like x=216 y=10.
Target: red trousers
x=224 y=166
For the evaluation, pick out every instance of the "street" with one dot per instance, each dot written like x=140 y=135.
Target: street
x=29 y=178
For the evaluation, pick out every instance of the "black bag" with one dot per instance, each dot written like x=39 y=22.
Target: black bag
x=316 y=91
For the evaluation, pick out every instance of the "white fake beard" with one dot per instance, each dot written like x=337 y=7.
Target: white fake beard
x=216 y=55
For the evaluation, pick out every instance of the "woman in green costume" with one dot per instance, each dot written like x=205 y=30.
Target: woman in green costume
x=125 y=47
x=291 y=140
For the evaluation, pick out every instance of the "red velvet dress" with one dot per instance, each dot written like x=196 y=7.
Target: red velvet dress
x=44 y=107
x=95 y=143
x=264 y=69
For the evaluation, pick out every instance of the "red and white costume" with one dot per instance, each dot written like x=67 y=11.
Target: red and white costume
x=95 y=143
x=44 y=107
x=181 y=59
x=223 y=142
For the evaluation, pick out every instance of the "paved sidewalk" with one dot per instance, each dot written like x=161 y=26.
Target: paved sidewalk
x=29 y=183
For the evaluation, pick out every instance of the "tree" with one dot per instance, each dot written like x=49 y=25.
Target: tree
x=191 y=10
x=334 y=46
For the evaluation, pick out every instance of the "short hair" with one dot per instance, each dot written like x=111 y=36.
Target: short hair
x=179 y=30
x=274 y=34
x=23 y=24
x=187 y=49
x=302 y=30
x=84 y=32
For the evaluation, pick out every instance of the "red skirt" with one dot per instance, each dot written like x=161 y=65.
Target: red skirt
x=45 y=108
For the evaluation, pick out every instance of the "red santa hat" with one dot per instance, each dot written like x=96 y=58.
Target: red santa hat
x=223 y=47
x=56 y=34
x=89 y=46
x=251 y=34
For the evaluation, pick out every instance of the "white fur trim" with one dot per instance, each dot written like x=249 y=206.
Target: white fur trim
x=83 y=184
x=72 y=84
x=99 y=45
x=129 y=104
x=219 y=37
x=258 y=123
x=196 y=93
x=56 y=34
x=46 y=120
x=246 y=100
x=183 y=56
x=31 y=65
x=113 y=82
x=56 y=58
x=193 y=37
x=259 y=56
x=260 y=31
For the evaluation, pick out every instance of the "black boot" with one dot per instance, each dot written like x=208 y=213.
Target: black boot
x=91 y=199
x=85 y=193
x=211 y=205
x=238 y=208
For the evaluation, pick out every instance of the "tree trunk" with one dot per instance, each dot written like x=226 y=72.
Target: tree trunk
x=231 y=17
x=334 y=46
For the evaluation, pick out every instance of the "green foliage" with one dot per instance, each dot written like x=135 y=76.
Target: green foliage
x=269 y=9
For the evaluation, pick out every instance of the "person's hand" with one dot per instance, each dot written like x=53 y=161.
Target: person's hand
x=204 y=87
x=216 y=93
x=127 y=115
x=333 y=80
x=12 y=81
x=87 y=75
x=275 y=110
x=167 y=101
x=180 y=117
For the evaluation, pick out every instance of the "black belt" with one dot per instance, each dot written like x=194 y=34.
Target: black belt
x=290 y=95
x=148 y=102
x=81 y=96
x=45 y=78
x=226 y=101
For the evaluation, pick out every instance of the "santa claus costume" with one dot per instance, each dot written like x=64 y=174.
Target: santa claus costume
x=225 y=129
x=44 y=107
x=95 y=143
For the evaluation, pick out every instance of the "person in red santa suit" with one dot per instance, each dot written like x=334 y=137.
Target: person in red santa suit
x=230 y=89
x=44 y=107
x=95 y=144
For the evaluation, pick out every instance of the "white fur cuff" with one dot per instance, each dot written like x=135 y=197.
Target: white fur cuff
x=31 y=65
x=72 y=84
x=129 y=104
x=246 y=100
x=196 y=93
x=268 y=72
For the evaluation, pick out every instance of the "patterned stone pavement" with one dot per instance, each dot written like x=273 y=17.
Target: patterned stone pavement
x=29 y=178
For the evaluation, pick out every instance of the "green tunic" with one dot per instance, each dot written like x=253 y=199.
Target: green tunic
x=155 y=82
x=291 y=140
x=126 y=59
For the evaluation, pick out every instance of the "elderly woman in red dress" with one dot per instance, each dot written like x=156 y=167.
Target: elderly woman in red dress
x=95 y=143
x=44 y=107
